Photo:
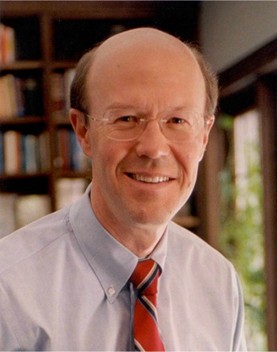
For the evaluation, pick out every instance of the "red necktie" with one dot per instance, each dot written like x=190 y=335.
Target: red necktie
x=146 y=332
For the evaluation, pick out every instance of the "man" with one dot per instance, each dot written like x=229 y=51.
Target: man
x=142 y=109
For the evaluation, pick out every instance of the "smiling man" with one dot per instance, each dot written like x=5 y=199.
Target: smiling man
x=112 y=272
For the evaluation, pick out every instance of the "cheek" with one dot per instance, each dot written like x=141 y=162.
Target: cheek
x=106 y=155
x=192 y=151
x=198 y=146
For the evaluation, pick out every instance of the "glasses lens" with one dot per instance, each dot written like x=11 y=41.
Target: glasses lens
x=127 y=127
x=122 y=127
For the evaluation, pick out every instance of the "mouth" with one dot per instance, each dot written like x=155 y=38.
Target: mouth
x=149 y=179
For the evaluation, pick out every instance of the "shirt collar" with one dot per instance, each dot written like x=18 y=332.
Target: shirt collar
x=112 y=263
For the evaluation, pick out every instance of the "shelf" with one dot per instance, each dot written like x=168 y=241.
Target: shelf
x=22 y=65
x=24 y=120
x=25 y=125
x=24 y=176
x=73 y=174
x=25 y=183
x=187 y=221
x=61 y=121
x=62 y=64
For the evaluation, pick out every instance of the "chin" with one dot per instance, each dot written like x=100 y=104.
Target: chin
x=149 y=218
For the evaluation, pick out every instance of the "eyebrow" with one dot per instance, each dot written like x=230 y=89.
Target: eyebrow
x=119 y=105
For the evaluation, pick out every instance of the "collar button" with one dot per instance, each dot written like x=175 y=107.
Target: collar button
x=111 y=291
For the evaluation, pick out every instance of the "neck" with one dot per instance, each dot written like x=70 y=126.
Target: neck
x=140 y=239
x=141 y=243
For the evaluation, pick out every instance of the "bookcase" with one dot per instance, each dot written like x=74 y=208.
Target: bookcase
x=39 y=152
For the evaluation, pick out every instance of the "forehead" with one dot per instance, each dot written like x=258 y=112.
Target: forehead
x=158 y=64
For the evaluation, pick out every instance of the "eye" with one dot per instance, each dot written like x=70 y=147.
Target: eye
x=177 y=121
x=126 y=119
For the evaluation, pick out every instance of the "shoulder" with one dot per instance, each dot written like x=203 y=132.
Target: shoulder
x=188 y=247
x=31 y=239
x=200 y=264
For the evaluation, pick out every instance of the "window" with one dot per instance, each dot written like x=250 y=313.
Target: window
x=249 y=94
x=241 y=226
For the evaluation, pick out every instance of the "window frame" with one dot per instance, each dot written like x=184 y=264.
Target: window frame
x=252 y=83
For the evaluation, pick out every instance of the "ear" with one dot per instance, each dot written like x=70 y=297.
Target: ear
x=81 y=130
x=209 y=121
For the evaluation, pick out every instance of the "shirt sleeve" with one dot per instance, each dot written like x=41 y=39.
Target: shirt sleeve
x=8 y=340
x=239 y=336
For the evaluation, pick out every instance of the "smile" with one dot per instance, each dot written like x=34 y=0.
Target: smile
x=149 y=179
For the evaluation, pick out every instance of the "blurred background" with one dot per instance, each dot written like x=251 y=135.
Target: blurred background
x=234 y=204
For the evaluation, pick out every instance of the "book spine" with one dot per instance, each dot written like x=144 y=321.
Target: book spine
x=24 y=153
x=7 y=44
x=57 y=94
x=19 y=97
x=60 y=92
x=31 y=159
x=7 y=95
x=78 y=158
x=12 y=152
x=70 y=156
x=44 y=152
x=32 y=97
x=1 y=153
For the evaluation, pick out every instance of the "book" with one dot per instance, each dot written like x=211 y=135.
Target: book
x=7 y=213
x=68 y=190
x=60 y=83
x=7 y=44
x=33 y=104
x=57 y=94
x=19 y=210
x=29 y=208
x=78 y=160
x=12 y=152
x=8 y=98
x=44 y=159
x=30 y=154
x=63 y=149
x=24 y=153
x=19 y=97
x=70 y=155
x=1 y=41
x=2 y=166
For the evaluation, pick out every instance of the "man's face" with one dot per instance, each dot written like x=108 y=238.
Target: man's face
x=145 y=181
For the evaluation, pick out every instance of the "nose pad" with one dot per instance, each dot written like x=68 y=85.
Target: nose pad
x=152 y=141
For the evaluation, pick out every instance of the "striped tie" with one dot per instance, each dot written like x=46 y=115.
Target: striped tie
x=146 y=333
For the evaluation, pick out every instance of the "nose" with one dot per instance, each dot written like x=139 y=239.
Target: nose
x=152 y=143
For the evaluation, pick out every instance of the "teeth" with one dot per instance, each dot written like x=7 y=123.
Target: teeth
x=148 y=179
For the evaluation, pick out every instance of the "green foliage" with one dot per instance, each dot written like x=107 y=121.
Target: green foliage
x=241 y=236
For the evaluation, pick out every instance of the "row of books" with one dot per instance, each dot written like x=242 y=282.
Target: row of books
x=19 y=97
x=7 y=44
x=23 y=153
x=68 y=190
x=19 y=210
x=69 y=153
x=60 y=83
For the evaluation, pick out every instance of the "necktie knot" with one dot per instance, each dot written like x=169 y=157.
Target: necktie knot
x=145 y=277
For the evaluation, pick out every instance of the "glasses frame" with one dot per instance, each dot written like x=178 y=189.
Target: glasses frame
x=142 y=121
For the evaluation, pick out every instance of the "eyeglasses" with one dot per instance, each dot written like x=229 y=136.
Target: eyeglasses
x=125 y=127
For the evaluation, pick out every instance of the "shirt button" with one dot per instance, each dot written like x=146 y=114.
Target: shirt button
x=111 y=291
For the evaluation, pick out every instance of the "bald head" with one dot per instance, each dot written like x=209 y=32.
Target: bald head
x=146 y=39
x=144 y=51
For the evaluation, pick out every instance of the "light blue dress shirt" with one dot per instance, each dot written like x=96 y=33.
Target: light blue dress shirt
x=64 y=286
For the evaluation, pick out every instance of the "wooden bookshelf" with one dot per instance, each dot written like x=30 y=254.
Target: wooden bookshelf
x=50 y=37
